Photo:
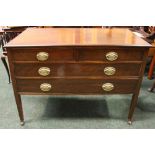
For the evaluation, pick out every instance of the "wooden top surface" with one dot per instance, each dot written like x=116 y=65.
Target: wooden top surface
x=77 y=37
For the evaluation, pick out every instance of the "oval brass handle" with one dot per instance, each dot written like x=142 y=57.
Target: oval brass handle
x=44 y=71
x=42 y=56
x=111 y=56
x=107 y=86
x=45 y=87
x=109 y=70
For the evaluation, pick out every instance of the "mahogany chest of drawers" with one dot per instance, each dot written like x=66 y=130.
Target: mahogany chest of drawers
x=72 y=61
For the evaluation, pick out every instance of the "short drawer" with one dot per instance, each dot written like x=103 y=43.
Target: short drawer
x=123 y=54
x=77 y=86
x=77 y=69
x=54 y=54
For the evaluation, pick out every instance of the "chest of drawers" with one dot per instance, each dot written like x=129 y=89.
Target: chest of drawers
x=53 y=61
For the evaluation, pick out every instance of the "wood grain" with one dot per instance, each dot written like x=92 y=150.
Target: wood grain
x=75 y=86
x=77 y=69
x=78 y=53
x=77 y=37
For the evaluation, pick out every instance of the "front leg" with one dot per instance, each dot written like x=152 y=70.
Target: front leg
x=132 y=107
x=20 y=108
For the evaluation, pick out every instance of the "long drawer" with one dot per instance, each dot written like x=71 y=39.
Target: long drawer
x=77 y=54
x=77 y=86
x=77 y=69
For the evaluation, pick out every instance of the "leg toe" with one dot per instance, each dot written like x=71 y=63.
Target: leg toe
x=22 y=123
x=129 y=122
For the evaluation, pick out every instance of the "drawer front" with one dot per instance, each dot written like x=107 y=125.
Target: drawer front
x=54 y=54
x=77 y=86
x=125 y=54
x=77 y=69
x=80 y=54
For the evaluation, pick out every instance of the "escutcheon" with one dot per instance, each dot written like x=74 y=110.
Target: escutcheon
x=45 y=87
x=44 y=71
x=111 y=56
x=107 y=86
x=109 y=70
x=42 y=56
